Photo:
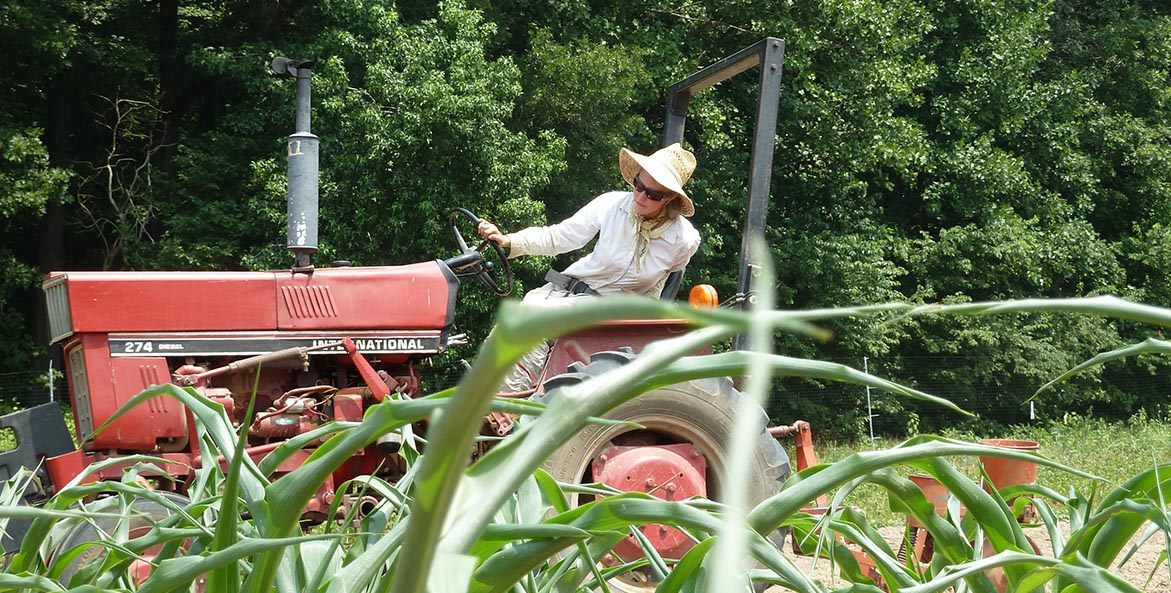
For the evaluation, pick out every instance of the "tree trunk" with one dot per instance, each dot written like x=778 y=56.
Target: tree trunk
x=171 y=80
x=51 y=230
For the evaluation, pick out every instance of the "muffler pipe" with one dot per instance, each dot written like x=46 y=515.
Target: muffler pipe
x=302 y=169
x=390 y=442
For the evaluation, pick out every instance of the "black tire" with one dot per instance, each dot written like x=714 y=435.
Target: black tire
x=698 y=412
x=144 y=514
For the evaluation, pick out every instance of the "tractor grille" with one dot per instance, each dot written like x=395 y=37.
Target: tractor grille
x=80 y=386
x=308 y=302
x=57 y=297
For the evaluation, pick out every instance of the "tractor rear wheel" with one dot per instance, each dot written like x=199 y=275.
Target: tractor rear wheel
x=699 y=413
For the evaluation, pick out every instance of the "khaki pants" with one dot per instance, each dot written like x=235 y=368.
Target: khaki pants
x=528 y=369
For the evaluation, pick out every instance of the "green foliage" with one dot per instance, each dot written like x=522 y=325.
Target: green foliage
x=583 y=91
x=25 y=171
x=1148 y=250
x=942 y=150
x=412 y=124
x=32 y=186
x=413 y=118
x=32 y=34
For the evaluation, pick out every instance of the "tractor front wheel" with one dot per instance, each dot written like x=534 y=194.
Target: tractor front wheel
x=90 y=536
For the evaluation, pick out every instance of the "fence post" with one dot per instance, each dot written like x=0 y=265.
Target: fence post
x=869 y=407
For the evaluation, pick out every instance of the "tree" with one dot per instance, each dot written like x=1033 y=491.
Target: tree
x=33 y=37
x=926 y=149
x=412 y=119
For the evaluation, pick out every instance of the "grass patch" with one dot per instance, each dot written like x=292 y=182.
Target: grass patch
x=1116 y=451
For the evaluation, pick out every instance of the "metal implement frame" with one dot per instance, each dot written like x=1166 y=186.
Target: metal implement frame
x=40 y=433
x=769 y=54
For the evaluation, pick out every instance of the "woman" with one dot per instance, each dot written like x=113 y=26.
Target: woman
x=643 y=236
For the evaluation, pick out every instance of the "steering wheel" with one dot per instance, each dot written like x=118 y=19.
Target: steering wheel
x=474 y=262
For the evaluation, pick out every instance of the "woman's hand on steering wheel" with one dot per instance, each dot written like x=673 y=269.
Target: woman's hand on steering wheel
x=474 y=261
x=490 y=232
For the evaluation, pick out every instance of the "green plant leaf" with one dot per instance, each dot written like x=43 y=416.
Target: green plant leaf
x=1149 y=346
x=807 y=485
x=181 y=572
x=688 y=570
x=295 y=489
x=1086 y=575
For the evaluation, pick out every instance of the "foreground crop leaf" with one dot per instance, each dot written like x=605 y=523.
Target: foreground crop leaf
x=1102 y=306
x=813 y=482
x=505 y=533
x=12 y=582
x=551 y=491
x=738 y=362
x=1087 y=576
x=60 y=514
x=953 y=575
x=364 y=569
x=1147 y=534
x=288 y=448
x=1100 y=533
x=319 y=559
x=451 y=573
x=728 y=567
x=580 y=564
x=503 y=569
x=502 y=470
x=1148 y=346
x=688 y=569
x=892 y=570
x=1113 y=525
x=213 y=421
x=181 y=572
x=294 y=490
x=989 y=509
x=226 y=578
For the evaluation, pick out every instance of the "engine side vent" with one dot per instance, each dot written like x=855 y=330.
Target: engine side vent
x=57 y=298
x=80 y=386
x=308 y=302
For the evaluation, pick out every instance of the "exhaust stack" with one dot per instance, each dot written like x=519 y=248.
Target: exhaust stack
x=302 y=167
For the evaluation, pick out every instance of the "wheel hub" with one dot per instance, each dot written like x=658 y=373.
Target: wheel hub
x=668 y=472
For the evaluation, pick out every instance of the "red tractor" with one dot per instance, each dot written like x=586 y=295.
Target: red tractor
x=331 y=341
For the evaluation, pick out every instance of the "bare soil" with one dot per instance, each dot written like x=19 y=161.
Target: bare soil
x=1141 y=570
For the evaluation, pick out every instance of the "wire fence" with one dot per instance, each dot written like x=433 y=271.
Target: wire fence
x=838 y=410
x=23 y=390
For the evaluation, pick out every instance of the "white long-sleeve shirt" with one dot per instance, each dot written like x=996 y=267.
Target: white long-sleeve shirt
x=611 y=267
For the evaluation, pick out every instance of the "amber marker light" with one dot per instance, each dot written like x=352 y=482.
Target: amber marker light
x=703 y=296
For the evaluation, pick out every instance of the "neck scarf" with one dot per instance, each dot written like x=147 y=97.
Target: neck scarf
x=646 y=229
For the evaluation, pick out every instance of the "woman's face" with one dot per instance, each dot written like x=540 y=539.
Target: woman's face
x=646 y=189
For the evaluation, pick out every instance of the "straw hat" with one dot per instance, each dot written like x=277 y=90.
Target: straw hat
x=671 y=167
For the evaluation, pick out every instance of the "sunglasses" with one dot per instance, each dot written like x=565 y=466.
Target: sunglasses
x=653 y=195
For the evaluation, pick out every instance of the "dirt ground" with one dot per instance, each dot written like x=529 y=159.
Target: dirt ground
x=1137 y=570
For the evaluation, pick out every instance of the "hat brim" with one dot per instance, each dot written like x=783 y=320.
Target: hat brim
x=630 y=163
